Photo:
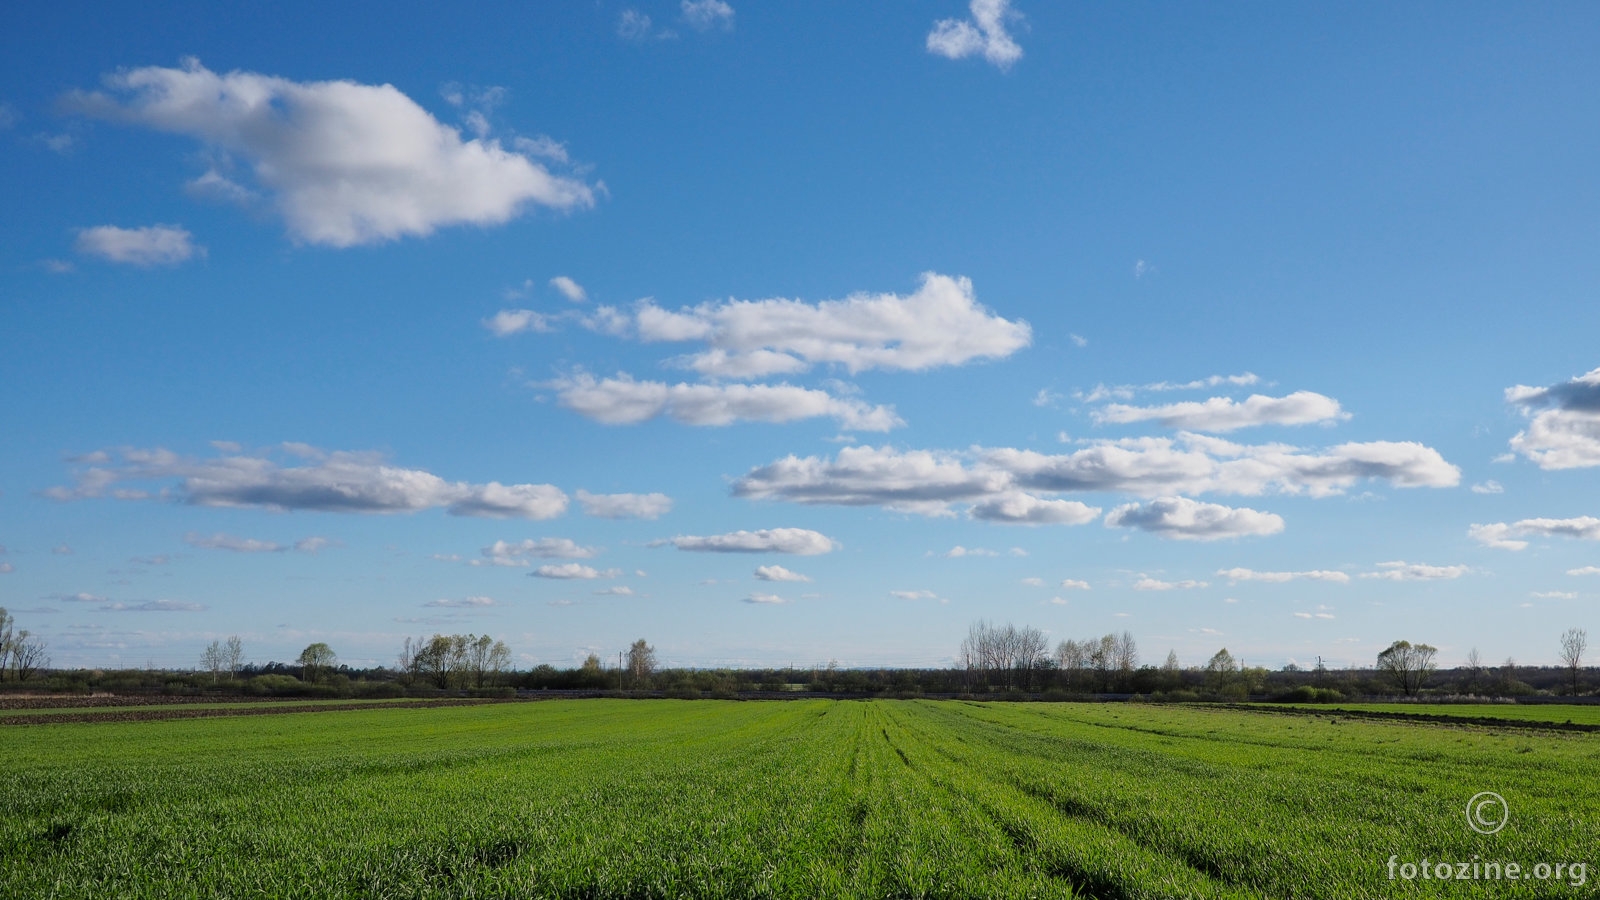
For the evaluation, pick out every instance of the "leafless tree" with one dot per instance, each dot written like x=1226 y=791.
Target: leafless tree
x=1474 y=670
x=211 y=660
x=1071 y=658
x=1004 y=653
x=27 y=655
x=1573 y=644
x=1408 y=665
x=232 y=655
x=6 y=624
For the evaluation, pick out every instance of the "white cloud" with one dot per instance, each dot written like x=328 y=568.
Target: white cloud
x=1564 y=427
x=1033 y=582
x=569 y=289
x=624 y=401
x=984 y=35
x=928 y=482
x=1306 y=615
x=1237 y=575
x=312 y=544
x=220 y=541
x=504 y=553
x=1500 y=534
x=914 y=595
x=463 y=603
x=1488 y=487
x=620 y=590
x=569 y=571
x=78 y=598
x=152 y=245
x=1146 y=583
x=958 y=551
x=1019 y=508
x=329 y=482
x=1046 y=397
x=1073 y=584
x=624 y=506
x=1226 y=414
x=155 y=606
x=344 y=163
x=704 y=15
x=940 y=324
x=779 y=573
x=1185 y=519
x=1404 y=571
x=1127 y=391
x=772 y=599
x=798 y=541
x=507 y=322
x=1553 y=595
x=1585 y=570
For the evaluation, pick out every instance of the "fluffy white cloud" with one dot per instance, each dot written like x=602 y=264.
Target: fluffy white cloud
x=569 y=289
x=463 y=603
x=983 y=35
x=344 y=163
x=1191 y=520
x=1564 y=427
x=570 y=571
x=624 y=506
x=1400 y=570
x=519 y=553
x=620 y=590
x=778 y=573
x=1237 y=575
x=1226 y=414
x=929 y=482
x=1502 y=535
x=914 y=595
x=624 y=401
x=1073 y=584
x=507 y=322
x=940 y=324
x=1019 y=508
x=1585 y=570
x=798 y=541
x=705 y=15
x=330 y=482
x=772 y=599
x=152 y=245
x=1146 y=583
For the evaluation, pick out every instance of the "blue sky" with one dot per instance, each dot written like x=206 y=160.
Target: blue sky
x=1252 y=326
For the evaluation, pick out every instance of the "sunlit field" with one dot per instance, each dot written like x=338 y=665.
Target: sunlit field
x=617 y=798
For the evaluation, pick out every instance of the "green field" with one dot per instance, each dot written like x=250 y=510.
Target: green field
x=632 y=799
x=1587 y=714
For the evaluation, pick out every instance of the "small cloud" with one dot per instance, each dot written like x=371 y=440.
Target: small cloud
x=1488 y=487
x=569 y=289
x=61 y=143
x=1585 y=570
x=1553 y=595
x=1078 y=340
x=914 y=595
x=1146 y=583
x=463 y=603
x=220 y=541
x=959 y=552
x=773 y=599
x=7 y=568
x=312 y=544
x=569 y=571
x=1046 y=397
x=625 y=506
x=1400 y=570
x=152 y=245
x=704 y=15
x=78 y=598
x=507 y=322
x=983 y=35
x=56 y=266
x=779 y=573
x=620 y=590
x=634 y=25
x=155 y=606
x=1060 y=601
x=562 y=602
x=1073 y=584
x=1033 y=582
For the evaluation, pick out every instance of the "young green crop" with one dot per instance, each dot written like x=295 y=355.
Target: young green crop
x=633 y=799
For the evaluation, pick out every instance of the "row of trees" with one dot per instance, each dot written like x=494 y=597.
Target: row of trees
x=455 y=660
x=22 y=653
x=1409 y=665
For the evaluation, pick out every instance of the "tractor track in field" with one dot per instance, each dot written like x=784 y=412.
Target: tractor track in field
x=271 y=708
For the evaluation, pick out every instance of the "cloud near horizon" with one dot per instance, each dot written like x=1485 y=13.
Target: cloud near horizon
x=797 y=541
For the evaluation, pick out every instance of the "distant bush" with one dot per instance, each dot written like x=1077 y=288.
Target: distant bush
x=1306 y=693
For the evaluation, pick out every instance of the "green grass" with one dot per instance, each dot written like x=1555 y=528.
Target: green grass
x=1586 y=714
x=628 y=799
x=221 y=704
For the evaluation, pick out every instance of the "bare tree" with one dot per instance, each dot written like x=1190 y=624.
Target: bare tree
x=314 y=659
x=485 y=658
x=6 y=623
x=1573 y=644
x=1474 y=670
x=211 y=659
x=27 y=655
x=233 y=655
x=641 y=663
x=1408 y=665
x=1071 y=658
